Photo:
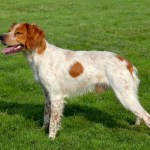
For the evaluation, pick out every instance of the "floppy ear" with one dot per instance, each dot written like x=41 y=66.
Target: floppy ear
x=35 y=36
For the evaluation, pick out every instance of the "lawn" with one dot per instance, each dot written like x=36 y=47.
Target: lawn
x=91 y=121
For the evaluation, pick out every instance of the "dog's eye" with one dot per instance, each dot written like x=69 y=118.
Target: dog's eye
x=18 y=33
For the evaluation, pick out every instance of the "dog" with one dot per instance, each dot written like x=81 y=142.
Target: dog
x=64 y=73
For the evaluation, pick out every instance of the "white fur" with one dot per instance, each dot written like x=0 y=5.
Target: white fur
x=51 y=70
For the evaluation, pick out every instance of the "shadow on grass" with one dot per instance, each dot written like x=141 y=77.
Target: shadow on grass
x=28 y=111
x=92 y=114
x=35 y=112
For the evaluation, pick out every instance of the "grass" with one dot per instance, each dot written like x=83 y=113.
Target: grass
x=90 y=121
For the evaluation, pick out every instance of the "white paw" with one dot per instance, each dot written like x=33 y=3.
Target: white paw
x=52 y=137
x=138 y=121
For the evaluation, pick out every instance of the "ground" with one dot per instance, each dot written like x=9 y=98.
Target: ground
x=91 y=121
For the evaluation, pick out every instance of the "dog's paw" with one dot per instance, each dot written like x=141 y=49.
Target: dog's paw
x=138 y=121
x=51 y=137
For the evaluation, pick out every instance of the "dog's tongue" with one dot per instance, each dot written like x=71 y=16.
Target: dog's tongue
x=7 y=50
x=11 y=49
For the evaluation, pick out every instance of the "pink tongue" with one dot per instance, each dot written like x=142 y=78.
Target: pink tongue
x=8 y=50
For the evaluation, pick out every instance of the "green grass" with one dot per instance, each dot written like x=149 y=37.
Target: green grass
x=90 y=121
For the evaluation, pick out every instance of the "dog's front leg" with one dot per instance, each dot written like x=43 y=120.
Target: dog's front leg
x=56 y=113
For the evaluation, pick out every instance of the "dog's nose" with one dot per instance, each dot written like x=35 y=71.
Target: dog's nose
x=2 y=37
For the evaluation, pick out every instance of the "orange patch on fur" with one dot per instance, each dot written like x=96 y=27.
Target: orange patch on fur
x=42 y=48
x=76 y=70
x=130 y=68
x=23 y=36
x=35 y=38
x=129 y=65
x=120 y=57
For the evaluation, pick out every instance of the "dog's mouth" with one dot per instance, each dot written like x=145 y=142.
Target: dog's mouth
x=13 y=49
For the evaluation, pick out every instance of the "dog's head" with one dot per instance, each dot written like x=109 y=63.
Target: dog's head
x=23 y=37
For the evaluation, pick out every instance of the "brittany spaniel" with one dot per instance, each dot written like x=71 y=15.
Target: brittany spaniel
x=63 y=73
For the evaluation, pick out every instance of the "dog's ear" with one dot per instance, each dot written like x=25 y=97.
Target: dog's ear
x=35 y=36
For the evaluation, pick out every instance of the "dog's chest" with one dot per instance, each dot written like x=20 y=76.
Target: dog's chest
x=41 y=69
x=34 y=63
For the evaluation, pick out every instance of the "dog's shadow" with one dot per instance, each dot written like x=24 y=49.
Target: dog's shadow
x=35 y=112
x=92 y=114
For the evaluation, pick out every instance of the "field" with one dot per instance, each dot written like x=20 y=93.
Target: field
x=91 y=121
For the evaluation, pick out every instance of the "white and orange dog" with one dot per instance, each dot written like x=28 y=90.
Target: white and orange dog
x=63 y=73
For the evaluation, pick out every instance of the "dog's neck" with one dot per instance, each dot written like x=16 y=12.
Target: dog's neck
x=40 y=50
x=37 y=51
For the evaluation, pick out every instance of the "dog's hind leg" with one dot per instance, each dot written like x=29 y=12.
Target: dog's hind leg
x=47 y=113
x=47 y=109
x=125 y=87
